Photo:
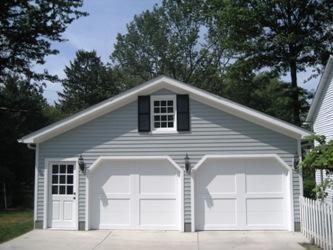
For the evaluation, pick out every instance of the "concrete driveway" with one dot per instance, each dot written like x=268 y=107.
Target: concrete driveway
x=157 y=240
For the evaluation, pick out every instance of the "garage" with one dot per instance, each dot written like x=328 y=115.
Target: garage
x=135 y=193
x=242 y=193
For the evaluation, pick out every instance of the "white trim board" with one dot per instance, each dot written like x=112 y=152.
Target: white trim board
x=103 y=159
x=245 y=156
x=36 y=182
x=324 y=80
x=152 y=86
x=242 y=156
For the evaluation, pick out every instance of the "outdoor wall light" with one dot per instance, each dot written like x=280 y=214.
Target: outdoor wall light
x=81 y=164
x=187 y=164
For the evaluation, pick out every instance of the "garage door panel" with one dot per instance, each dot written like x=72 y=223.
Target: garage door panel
x=158 y=212
x=217 y=180
x=118 y=184
x=217 y=212
x=115 y=212
x=153 y=184
x=112 y=181
x=265 y=212
x=264 y=178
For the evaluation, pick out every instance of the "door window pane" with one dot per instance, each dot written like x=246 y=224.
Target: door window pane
x=55 y=169
x=69 y=179
x=62 y=189
x=54 y=179
x=69 y=189
x=55 y=189
x=70 y=169
x=62 y=179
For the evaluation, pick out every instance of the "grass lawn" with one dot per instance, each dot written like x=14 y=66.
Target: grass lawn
x=15 y=223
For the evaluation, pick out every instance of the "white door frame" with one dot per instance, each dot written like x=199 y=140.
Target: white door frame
x=101 y=159
x=245 y=156
x=48 y=163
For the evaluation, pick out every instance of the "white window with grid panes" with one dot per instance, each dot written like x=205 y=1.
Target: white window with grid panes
x=163 y=110
x=62 y=179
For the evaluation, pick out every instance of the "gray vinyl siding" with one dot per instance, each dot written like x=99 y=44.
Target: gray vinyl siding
x=212 y=132
x=323 y=124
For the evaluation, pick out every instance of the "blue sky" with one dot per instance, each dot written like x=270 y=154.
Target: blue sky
x=98 y=32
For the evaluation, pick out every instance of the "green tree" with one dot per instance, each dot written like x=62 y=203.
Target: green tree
x=262 y=91
x=170 y=40
x=319 y=156
x=87 y=82
x=27 y=29
x=21 y=112
x=287 y=36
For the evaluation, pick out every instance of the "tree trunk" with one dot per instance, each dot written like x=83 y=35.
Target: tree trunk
x=295 y=93
x=4 y=195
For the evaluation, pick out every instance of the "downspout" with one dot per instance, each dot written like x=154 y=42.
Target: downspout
x=300 y=172
x=35 y=147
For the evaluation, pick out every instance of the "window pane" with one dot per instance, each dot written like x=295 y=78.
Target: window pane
x=54 y=179
x=156 y=110
x=163 y=124
x=163 y=103
x=157 y=125
x=163 y=110
x=62 y=189
x=69 y=189
x=170 y=124
x=62 y=169
x=170 y=103
x=156 y=117
x=70 y=169
x=62 y=179
x=163 y=117
x=54 y=189
x=170 y=117
x=69 y=179
x=156 y=103
x=54 y=169
x=170 y=109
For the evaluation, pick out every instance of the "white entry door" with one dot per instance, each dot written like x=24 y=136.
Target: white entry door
x=242 y=194
x=135 y=194
x=62 y=196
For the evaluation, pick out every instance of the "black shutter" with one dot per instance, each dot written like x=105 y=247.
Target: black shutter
x=144 y=113
x=183 y=113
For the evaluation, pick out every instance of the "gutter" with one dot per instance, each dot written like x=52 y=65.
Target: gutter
x=31 y=146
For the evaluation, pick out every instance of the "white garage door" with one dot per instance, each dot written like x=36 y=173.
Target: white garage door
x=135 y=194
x=242 y=194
